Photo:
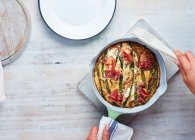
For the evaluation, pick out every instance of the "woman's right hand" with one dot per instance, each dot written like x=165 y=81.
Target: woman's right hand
x=93 y=133
x=186 y=64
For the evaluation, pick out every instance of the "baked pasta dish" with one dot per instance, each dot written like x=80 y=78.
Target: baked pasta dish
x=127 y=74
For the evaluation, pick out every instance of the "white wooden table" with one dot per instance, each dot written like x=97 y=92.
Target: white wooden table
x=43 y=102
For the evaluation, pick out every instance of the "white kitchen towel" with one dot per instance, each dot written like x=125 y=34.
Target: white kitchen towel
x=117 y=131
x=2 y=93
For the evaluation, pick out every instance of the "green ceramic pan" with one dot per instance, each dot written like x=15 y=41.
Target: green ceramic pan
x=114 y=111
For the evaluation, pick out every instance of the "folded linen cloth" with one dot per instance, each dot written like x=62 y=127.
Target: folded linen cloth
x=117 y=131
x=2 y=93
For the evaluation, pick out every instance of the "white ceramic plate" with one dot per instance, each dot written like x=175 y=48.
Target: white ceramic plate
x=77 y=19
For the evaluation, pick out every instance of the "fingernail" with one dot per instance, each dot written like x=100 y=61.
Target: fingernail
x=107 y=127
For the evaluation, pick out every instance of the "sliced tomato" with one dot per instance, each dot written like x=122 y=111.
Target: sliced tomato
x=119 y=98
x=141 y=84
x=144 y=95
x=141 y=100
x=110 y=63
x=110 y=69
x=126 y=56
x=113 y=74
x=115 y=96
x=116 y=74
x=142 y=92
x=146 y=64
x=109 y=73
x=146 y=61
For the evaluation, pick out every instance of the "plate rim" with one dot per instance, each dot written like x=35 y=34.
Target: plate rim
x=81 y=38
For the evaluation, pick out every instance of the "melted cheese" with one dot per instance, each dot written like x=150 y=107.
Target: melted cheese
x=133 y=90
x=112 y=52
x=118 y=65
x=126 y=94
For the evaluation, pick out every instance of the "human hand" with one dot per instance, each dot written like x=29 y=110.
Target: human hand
x=186 y=64
x=94 y=131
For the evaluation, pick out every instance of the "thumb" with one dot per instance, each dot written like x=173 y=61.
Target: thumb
x=93 y=134
x=106 y=133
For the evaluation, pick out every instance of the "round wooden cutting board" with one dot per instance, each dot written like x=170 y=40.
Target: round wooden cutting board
x=15 y=30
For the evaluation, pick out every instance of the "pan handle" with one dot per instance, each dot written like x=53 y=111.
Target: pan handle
x=113 y=114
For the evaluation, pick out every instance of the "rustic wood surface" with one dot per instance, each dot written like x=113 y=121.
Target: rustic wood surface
x=43 y=102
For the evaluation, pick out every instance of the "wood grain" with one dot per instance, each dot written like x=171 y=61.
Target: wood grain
x=43 y=102
x=13 y=30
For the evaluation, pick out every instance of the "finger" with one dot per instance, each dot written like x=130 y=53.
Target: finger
x=190 y=56
x=182 y=73
x=106 y=135
x=176 y=62
x=184 y=61
x=177 y=52
x=184 y=76
x=191 y=89
x=93 y=133
x=181 y=70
